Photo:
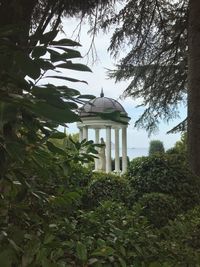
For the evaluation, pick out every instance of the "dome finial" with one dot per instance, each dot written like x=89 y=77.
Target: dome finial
x=102 y=93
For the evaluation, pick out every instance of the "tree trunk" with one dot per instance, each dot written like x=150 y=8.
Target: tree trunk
x=194 y=86
x=17 y=13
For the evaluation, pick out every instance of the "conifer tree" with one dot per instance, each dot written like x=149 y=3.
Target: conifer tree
x=162 y=63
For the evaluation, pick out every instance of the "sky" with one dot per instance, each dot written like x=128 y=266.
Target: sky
x=98 y=79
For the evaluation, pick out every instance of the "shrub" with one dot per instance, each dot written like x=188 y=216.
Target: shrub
x=180 y=241
x=106 y=187
x=78 y=176
x=159 y=208
x=156 y=146
x=118 y=236
x=164 y=174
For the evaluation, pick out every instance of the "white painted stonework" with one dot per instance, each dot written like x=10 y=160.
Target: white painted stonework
x=90 y=121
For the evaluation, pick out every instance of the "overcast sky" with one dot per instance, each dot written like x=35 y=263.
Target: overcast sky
x=98 y=79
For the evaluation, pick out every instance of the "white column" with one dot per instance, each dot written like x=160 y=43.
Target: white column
x=117 y=162
x=85 y=132
x=97 y=142
x=108 y=149
x=124 y=149
x=80 y=134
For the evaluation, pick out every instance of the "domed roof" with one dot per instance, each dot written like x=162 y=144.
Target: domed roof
x=101 y=105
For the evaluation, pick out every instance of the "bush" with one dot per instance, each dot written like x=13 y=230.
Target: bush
x=106 y=187
x=156 y=146
x=117 y=236
x=180 y=240
x=78 y=176
x=164 y=174
x=159 y=208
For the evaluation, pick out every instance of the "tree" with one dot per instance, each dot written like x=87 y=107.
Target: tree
x=156 y=146
x=36 y=15
x=162 y=63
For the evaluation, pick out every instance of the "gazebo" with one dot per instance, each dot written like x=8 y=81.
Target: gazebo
x=92 y=117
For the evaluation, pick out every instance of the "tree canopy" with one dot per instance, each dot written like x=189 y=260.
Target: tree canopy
x=155 y=35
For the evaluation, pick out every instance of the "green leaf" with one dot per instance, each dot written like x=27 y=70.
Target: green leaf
x=48 y=37
x=48 y=263
x=44 y=64
x=27 y=65
x=6 y=258
x=58 y=135
x=65 y=42
x=39 y=51
x=81 y=251
x=104 y=251
x=54 y=149
x=122 y=262
x=53 y=113
x=55 y=56
x=155 y=264
x=73 y=66
x=86 y=97
x=66 y=79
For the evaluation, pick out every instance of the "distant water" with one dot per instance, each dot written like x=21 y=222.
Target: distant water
x=134 y=152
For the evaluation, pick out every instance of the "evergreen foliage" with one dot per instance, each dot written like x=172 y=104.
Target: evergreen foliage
x=155 y=35
x=164 y=174
x=156 y=146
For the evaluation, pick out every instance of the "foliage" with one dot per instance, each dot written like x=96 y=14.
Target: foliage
x=164 y=174
x=180 y=147
x=115 y=241
x=159 y=208
x=156 y=146
x=155 y=35
x=120 y=163
x=181 y=237
x=106 y=187
x=36 y=197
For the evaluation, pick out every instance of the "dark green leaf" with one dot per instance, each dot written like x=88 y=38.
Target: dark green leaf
x=73 y=66
x=86 y=96
x=48 y=37
x=65 y=42
x=27 y=65
x=44 y=64
x=55 y=56
x=6 y=258
x=54 y=149
x=104 y=251
x=66 y=78
x=39 y=51
x=53 y=113
x=81 y=251
x=58 y=135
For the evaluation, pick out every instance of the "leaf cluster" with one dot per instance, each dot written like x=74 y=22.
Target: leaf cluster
x=155 y=35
